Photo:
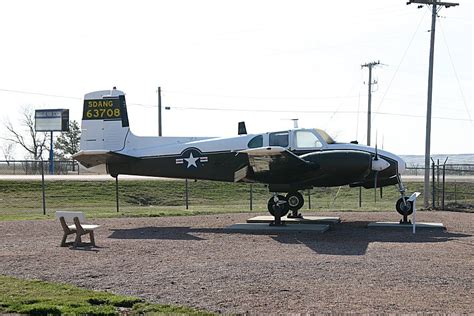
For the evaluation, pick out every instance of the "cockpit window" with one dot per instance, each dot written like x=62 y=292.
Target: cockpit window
x=279 y=139
x=256 y=142
x=328 y=139
x=307 y=139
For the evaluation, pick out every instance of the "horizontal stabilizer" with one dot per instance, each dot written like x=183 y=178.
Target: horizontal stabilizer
x=92 y=158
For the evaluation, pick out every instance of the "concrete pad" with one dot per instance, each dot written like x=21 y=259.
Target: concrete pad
x=305 y=220
x=264 y=227
x=420 y=225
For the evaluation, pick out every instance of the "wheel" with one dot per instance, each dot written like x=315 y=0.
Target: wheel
x=279 y=208
x=295 y=200
x=403 y=209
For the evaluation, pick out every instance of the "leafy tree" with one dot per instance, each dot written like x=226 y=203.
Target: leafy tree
x=67 y=144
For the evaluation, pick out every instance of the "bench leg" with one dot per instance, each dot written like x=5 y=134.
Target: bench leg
x=63 y=242
x=91 y=233
x=78 y=240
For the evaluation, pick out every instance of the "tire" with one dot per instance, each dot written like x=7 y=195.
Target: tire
x=295 y=200
x=402 y=209
x=280 y=209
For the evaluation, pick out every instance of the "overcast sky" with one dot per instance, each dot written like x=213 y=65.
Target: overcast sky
x=263 y=62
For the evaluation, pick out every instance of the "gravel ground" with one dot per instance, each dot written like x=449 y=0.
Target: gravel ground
x=192 y=261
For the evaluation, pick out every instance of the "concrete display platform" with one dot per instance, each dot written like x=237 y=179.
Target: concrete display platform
x=305 y=220
x=264 y=227
x=421 y=225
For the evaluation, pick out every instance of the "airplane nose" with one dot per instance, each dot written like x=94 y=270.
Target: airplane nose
x=380 y=164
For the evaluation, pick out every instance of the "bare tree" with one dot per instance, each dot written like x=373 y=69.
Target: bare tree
x=33 y=142
x=7 y=151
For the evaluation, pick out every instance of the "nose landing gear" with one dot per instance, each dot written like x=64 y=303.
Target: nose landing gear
x=403 y=206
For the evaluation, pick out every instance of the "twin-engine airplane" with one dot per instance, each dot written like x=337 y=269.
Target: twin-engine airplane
x=287 y=161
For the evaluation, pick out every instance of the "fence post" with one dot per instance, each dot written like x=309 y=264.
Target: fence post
x=309 y=199
x=437 y=183
x=360 y=196
x=42 y=188
x=434 y=188
x=251 y=196
x=444 y=186
x=117 y=192
x=186 y=194
x=455 y=191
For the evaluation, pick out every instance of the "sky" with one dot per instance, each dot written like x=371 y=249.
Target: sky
x=262 y=62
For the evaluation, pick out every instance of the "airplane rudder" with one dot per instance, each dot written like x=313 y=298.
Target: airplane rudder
x=105 y=105
x=104 y=120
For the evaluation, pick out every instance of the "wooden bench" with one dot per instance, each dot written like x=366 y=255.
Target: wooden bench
x=76 y=228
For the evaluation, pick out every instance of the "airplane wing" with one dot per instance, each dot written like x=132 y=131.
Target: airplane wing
x=92 y=158
x=277 y=163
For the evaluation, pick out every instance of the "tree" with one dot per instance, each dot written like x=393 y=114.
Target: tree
x=35 y=142
x=8 y=150
x=67 y=144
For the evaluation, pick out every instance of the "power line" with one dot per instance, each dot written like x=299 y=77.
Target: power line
x=235 y=109
x=400 y=63
x=455 y=72
x=200 y=108
x=260 y=97
x=40 y=94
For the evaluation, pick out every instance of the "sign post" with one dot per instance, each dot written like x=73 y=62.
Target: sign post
x=412 y=199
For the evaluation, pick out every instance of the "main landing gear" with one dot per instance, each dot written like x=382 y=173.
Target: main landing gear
x=280 y=205
x=403 y=206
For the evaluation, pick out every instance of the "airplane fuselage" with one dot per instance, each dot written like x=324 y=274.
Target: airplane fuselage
x=224 y=159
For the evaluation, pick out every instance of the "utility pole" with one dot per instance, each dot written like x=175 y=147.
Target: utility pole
x=159 y=112
x=434 y=13
x=369 y=111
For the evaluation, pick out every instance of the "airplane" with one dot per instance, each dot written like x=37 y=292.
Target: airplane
x=287 y=161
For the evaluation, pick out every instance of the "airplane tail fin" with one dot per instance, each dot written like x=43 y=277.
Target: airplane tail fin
x=104 y=121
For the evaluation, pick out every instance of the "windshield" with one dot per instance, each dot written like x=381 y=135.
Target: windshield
x=328 y=139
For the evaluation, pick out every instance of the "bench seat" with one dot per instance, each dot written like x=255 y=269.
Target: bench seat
x=85 y=226
x=77 y=228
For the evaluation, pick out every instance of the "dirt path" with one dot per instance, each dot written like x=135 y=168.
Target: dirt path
x=192 y=261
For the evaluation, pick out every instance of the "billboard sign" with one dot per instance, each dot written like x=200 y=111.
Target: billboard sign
x=56 y=120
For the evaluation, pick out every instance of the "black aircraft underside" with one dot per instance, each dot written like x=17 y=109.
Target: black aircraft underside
x=191 y=164
x=283 y=173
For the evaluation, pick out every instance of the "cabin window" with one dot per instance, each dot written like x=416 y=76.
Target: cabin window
x=328 y=139
x=306 y=139
x=256 y=142
x=279 y=139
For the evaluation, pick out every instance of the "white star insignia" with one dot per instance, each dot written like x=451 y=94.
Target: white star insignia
x=191 y=160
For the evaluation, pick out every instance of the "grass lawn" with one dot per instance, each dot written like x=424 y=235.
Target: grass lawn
x=23 y=199
x=45 y=298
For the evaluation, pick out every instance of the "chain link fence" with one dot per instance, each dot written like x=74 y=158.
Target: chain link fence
x=452 y=188
x=452 y=185
x=33 y=167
